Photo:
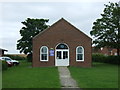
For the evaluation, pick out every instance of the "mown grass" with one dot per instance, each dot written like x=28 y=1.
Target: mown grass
x=101 y=75
x=24 y=76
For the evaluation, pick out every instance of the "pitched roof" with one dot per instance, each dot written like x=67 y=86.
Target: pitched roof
x=3 y=49
x=62 y=19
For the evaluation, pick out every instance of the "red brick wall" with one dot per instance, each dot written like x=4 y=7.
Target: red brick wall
x=62 y=32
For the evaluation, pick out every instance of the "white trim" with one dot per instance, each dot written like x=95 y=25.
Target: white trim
x=80 y=53
x=44 y=53
x=62 y=51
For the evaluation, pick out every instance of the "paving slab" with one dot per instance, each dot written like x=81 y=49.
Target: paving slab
x=66 y=80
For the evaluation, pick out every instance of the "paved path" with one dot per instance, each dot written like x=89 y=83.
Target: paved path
x=65 y=78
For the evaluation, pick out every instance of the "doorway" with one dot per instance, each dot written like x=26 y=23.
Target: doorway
x=62 y=55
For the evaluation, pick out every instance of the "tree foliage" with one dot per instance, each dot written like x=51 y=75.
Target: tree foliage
x=106 y=30
x=31 y=28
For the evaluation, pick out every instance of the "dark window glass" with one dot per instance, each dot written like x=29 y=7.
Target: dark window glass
x=65 y=54
x=44 y=53
x=7 y=59
x=44 y=57
x=44 y=50
x=61 y=46
x=59 y=55
x=79 y=56
x=79 y=50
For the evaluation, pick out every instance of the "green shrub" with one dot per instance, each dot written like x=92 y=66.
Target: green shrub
x=29 y=57
x=105 y=59
x=4 y=65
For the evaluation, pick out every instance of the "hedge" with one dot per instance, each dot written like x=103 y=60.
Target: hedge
x=29 y=57
x=106 y=59
x=4 y=65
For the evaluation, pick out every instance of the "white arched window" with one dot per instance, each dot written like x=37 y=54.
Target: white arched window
x=79 y=53
x=44 y=53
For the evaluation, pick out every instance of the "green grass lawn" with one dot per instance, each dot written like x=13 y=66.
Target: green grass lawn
x=101 y=75
x=24 y=76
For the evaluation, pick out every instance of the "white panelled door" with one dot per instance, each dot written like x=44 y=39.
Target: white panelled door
x=62 y=55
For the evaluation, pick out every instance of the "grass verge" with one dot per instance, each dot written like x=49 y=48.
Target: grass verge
x=24 y=76
x=101 y=75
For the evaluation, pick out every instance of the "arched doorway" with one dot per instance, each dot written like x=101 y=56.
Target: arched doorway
x=62 y=55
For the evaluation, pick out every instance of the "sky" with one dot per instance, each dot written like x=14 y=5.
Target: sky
x=81 y=14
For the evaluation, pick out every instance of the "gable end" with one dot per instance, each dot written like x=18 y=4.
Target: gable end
x=62 y=19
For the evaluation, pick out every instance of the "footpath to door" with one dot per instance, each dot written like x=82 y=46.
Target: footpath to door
x=66 y=80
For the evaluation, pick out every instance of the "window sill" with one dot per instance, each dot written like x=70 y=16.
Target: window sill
x=79 y=60
x=44 y=60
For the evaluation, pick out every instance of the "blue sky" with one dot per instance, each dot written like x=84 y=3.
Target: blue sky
x=80 y=14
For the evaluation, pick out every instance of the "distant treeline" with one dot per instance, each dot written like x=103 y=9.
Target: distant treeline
x=17 y=56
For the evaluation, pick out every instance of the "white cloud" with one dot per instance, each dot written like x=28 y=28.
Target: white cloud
x=80 y=14
x=56 y=0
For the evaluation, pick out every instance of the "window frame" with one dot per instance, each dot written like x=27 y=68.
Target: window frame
x=43 y=53
x=80 y=53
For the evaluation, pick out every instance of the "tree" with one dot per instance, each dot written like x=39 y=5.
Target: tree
x=106 y=30
x=31 y=28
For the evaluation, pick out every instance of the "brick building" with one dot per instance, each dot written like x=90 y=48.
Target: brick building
x=2 y=52
x=105 y=51
x=62 y=44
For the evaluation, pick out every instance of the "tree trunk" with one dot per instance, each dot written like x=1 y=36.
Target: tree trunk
x=118 y=51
